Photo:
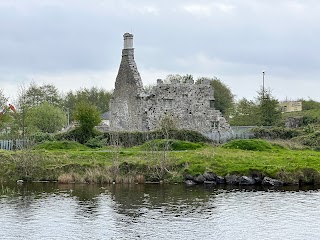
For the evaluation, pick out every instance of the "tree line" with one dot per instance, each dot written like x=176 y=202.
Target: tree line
x=43 y=109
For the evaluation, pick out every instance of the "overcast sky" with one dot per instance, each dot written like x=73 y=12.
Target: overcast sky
x=74 y=44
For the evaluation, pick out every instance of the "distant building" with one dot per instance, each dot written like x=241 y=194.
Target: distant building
x=105 y=122
x=191 y=105
x=105 y=118
x=290 y=106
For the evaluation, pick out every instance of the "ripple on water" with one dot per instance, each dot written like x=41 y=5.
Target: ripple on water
x=155 y=212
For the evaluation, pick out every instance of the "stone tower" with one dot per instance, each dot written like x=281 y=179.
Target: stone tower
x=125 y=106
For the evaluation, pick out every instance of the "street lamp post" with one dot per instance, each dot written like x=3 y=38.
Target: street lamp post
x=68 y=116
x=263 y=73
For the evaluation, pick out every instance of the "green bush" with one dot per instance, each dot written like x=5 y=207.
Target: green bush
x=58 y=145
x=170 y=144
x=185 y=145
x=130 y=139
x=275 y=133
x=95 y=143
x=308 y=116
x=76 y=135
x=309 y=129
x=41 y=137
x=311 y=140
x=195 y=169
x=310 y=105
x=312 y=117
x=251 y=144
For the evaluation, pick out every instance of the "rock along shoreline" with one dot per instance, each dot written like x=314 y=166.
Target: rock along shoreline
x=210 y=178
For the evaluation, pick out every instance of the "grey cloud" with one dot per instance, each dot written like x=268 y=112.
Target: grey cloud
x=56 y=36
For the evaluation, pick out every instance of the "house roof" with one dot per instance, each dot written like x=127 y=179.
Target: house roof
x=105 y=115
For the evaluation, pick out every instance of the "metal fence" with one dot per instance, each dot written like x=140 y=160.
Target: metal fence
x=14 y=144
x=237 y=132
x=242 y=132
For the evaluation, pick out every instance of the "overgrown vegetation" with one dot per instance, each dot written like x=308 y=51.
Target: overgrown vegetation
x=61 y=145
x=297 y=127
x=276 y=133
x=73 y=162
x=171 y=144
x=130 y=139
x=252 y=145
x=311 y=140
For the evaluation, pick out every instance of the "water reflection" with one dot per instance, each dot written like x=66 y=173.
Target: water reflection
x=131 y=199
x=135 y=200
x=73 y=211
x=24 y=197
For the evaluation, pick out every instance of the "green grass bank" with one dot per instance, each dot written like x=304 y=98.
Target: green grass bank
x=160 y=160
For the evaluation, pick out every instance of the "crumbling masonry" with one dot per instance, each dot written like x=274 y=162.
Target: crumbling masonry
x=190 y=105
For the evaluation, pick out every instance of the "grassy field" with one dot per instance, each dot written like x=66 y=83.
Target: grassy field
x=159 y=160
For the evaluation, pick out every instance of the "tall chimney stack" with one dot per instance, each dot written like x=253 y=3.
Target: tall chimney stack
x=128 y=41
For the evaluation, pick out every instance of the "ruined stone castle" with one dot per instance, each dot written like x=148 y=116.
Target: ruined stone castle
x=189 y=104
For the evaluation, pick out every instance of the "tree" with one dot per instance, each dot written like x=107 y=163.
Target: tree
x=22 y=111
x=88 y=117
x=35 y=95
x=245 y=113
x=178 y=78
x=269 y=112
x=265 y=111
x=5 y=118
x=224 y=99
x=96 y=97
x=46 y=118
x=170 y=77
x=3 y=99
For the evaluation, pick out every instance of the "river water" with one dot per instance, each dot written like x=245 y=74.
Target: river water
x=55 y=211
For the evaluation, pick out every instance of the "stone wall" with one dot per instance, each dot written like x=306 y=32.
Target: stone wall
x=190 y=105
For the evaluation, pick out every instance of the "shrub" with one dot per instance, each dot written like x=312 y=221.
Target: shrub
x=195 y=169
x=27 y=165
x=309 y=129
x=42 y=137
x=170 y=144
x=57 y=145
x=251 y=144
x=88 y=117
x=75 y=135
x=129 y=139
x=95 y=143
x=275 y=132
x=311 y=140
